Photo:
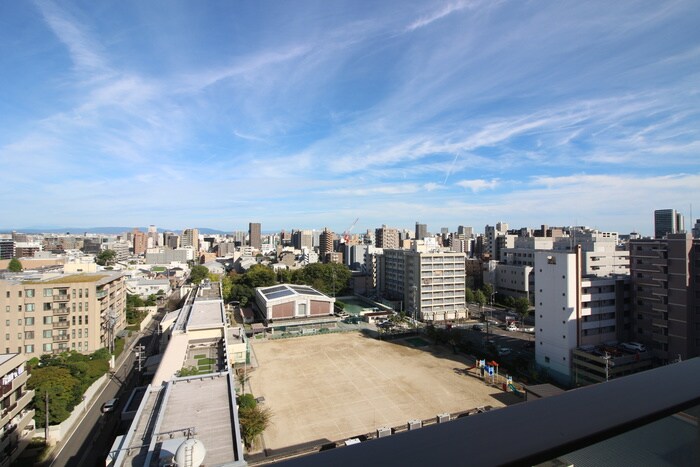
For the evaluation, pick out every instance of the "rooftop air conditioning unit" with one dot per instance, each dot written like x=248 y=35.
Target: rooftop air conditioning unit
x=443 y=417
x=414 y=424
x=383 y=432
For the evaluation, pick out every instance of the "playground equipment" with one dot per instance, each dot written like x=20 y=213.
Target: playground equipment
x=515 y=390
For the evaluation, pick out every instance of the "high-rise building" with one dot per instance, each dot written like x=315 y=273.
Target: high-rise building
x=667 y=221
x=54 y=314
x=666 y=295
x=190 y=239
x=326 y=245
x=140 y=242
x=421 y=231
x=255 y=235
x=171 y=240
x=7 y=248
x=303 y=239
x=385 y=237
x=696 y=229
x=152 y=236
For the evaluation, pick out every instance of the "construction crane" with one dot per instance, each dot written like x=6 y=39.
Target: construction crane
x=346 y=234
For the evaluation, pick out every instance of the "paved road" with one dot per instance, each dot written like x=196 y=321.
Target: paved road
x=94 y=434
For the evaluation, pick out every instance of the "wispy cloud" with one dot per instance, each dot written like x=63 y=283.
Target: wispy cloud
x=479 y=184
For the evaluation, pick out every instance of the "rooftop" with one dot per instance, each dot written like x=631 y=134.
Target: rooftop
x=287 y=290
x=206 y=314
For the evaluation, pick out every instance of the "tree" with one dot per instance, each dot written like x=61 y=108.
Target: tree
x=188 y=371
x=14 y=265
x=469 y=295
x=488 y=291
x=329 y=278
x=106 y=257
x=254 y=420
x=480 y=299
x=522 y=306
x=198 y=274
x=150 y=301
x=260 y=276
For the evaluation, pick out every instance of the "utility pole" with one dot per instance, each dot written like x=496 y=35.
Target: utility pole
x=46 y=411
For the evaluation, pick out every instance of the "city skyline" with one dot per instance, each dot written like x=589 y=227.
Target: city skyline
x=312 y=115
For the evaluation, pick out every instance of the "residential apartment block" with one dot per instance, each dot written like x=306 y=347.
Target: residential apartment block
x=387 y=238
x=666 y=295
x=574 y=309
x=53 y=313
x=16 y=416
x=430 y=283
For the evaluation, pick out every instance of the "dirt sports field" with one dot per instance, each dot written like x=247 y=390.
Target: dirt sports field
x=336 y=386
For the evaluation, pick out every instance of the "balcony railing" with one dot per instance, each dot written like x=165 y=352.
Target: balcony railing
x=61 y=311
x=61 y=298
x=101 y=294
x=62 y=324
x=538 y=431
x=61 y=338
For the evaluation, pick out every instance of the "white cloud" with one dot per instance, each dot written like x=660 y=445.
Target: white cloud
x=477 y=185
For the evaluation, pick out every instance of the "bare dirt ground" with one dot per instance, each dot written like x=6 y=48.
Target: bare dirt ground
x=333 y=387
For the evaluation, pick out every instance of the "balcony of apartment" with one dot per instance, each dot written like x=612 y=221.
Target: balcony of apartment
x=61 y=297
x=659 y=322
x=102 y=294
x=61 y=338
x=61 y=324
x=16 y=426
x=10 y=412
x=60 y=311
x=647 y=418
x=15 y=384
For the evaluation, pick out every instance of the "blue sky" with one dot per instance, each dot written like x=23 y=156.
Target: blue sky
x=311 y=114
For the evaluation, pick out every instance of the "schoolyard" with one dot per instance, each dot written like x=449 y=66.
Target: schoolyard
x=336 y=386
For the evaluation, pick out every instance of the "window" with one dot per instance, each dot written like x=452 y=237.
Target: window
x=28 y=349
x=47 y=347
x=546 y=359
x=47 y=307
x=29 y=321
x=80 y=320
x=85 y=332
x=73 y=321
x=7 y=336
x=48 y=319
x=80 y=333
x=7 y=322
x=86 y=318
x=7 y=295
x=19 y=308
x=47 y=333
x=29 y=334
x=19 y=293
x=86 y=296
x=80 y=293
x=30 y=307
x=73 y=293
x=7 y=308
x=48 y=292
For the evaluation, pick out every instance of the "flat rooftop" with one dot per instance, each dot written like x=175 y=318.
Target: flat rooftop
x=205 y=404
x=206 y=314
x=5 y=357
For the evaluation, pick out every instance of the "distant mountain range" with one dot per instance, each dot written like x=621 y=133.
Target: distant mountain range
x=102 y=230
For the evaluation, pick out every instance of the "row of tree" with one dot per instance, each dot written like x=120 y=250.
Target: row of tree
x=484 y=295
x=329 y=278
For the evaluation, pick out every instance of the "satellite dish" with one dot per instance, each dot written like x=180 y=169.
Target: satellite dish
x=190 y=453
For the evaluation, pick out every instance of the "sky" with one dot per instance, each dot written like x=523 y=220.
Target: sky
x=309 y=114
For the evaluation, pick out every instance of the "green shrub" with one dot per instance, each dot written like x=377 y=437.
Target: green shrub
x=246 y=401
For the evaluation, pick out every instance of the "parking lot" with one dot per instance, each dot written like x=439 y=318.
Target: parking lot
x=333 y=387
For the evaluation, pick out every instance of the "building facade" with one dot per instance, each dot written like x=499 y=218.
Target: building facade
x=255 y=235
x=666 y=295
x=16 y=414
x=667 y=221
x=386 y=237
x=81 y=312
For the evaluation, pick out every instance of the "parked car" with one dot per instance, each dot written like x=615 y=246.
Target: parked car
x=633 y=347
x=109 y=406
x=503 y=351
x=512 y=327
x=477 y=327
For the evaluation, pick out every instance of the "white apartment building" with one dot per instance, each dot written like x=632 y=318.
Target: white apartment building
x=430 y=283
x=574 y=310
x=16 y=413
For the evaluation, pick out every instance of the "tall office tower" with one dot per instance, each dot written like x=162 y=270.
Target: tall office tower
x=666 y=295
x=152 y=236
x=326 y=245
x=696 y=229
x=421 y=231
x=140 y=242
x=667 y=221
x=466 y=231
x=254 y=235
x=491 y=234
x=190 y=238
x=386 y=237
x=303 y=239
x=171 y=240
